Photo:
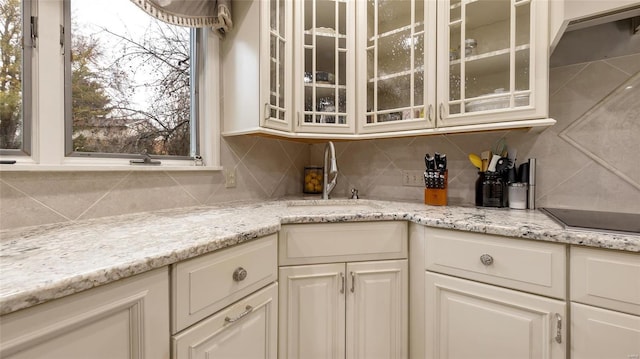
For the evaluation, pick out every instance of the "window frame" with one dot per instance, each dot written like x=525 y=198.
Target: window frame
x=48 y=148
x=28 y=41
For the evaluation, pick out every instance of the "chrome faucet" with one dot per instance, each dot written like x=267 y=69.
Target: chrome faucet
x=330 y=169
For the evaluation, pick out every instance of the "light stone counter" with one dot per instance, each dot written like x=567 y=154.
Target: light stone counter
x=38 y=264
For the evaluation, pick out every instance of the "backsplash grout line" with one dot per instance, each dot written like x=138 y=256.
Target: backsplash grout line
x=36 y=200
x=103 y=196
x=182 y=187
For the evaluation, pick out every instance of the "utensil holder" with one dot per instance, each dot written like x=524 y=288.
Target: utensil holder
x=436 y=183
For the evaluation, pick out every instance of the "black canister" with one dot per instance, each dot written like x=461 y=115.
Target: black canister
x=479 y=182
x=494 y=190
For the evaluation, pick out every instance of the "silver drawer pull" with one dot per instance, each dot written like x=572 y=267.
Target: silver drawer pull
x=248 y=309
x=486 y=259
x=558 y=337
x=239 y=274
x=353 y=282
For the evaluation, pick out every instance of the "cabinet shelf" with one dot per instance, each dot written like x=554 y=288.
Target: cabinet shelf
x=396 y=75
x=489 y=62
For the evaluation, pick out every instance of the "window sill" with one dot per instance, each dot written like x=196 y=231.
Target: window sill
x=25 y=165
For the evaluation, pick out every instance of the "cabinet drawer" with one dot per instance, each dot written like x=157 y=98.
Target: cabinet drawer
x=206 y=284
x=530 y=266
x=342 y=242
x=606 y=279
x=246 y=329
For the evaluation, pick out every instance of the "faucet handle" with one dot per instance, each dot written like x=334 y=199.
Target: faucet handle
x=354 y=193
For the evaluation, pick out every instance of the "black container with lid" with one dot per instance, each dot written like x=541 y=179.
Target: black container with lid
x=494 y=190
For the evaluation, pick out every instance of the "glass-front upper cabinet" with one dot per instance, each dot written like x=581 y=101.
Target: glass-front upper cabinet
x=278 y=110
x=257 y=64
x=492 y=61
x=325 y=66
x=396 y=66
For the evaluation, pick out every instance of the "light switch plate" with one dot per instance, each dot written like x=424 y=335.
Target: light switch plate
x=412 y=178
x=229 y=177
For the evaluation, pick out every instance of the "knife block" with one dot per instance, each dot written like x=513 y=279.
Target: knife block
x=436 y=194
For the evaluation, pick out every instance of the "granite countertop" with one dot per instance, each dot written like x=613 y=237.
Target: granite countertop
x=38 y=264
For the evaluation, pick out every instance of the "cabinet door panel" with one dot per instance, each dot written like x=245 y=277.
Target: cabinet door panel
x=599 y=333
x=125 y=319
x=377 y=309
x=466 y=319
x=325 y=66
x=492 y=61
x=398 y=76
x=246 y=329
x=312 y=300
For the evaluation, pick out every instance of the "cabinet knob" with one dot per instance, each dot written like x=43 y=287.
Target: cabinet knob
x=486 y=259
x=239 y=274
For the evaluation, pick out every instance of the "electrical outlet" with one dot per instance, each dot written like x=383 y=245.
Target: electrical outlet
x=413 y=178
x=229 y=177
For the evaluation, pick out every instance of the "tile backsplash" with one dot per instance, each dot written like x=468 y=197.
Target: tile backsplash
x=588 y=160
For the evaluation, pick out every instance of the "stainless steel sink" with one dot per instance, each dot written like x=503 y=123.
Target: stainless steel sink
x=333 y=204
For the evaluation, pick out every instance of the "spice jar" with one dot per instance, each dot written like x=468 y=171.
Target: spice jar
x=493 y=190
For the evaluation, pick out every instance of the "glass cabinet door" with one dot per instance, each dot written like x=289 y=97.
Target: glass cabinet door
x=395 y=50
x=277 y=106
x=489 y=55
x=326 y=64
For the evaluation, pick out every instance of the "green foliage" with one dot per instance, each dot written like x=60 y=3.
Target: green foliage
x=10 y=75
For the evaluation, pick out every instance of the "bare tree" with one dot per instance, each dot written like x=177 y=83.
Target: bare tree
x=161 y=57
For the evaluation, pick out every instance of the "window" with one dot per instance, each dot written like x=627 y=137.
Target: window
x=110 y=83
x=15 y=77
x=129 y=77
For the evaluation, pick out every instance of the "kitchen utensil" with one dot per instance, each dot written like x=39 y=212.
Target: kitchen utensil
x=486 y=157
x=475 y=160
x=493 y=163
x=502 y=164
x=511 y=155
x=429 y=162
x=499 y=147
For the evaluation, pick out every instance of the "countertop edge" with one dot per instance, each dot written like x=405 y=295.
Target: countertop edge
x=469 y=219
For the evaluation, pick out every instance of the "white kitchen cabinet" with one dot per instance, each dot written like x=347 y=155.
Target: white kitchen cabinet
x=397 y=74
x=256 y=68
x=224 y=304
x=600 y=333
x=605 y=304
x=486 y=296
x=373 y=69
x=246 y=329
x=358 y=309
x=334 y=307
x=324 y=76
x=492 y=61
x=125 y=319
x=465 y=319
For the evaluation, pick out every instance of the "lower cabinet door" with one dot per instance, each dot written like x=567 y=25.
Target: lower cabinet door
x=245 y=329
x=377 y=310
x=312 y=317
x=599 y=333
x=465 y=319
x=126 y=319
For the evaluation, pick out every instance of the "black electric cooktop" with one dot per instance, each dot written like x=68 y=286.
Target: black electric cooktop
x=628 y=223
